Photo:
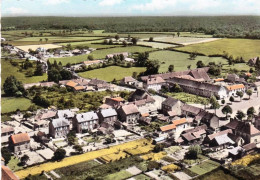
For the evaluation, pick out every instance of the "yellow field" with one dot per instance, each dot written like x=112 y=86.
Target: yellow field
x=170 y=168
x=80 y=158
x=139 y=149
x=34 y=47
x=154 y=156
x=114 y=157
x=245 y=161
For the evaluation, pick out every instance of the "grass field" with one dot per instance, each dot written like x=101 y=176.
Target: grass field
x=123 y=174
x=216 y=175
x=247 y=48
x=189 y=98
x=78 y=159
x=13 y=164
x=57 y=38
x=181 y=60
x=111 y=72
x=8 y=69
x=101 y=54
x=91 y=45
x=10 y=104
x=204 y=167
x=156 y=44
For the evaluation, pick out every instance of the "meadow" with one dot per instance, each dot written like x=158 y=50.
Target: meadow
x=101 y=54
x=246 y=48
x=11 y=104
x=180 y=60
x=8 y=69
x=110 y=73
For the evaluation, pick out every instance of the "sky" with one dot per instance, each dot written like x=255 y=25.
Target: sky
x=129 y=7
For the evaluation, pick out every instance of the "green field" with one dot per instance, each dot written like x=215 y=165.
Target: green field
x=11 y=104
x=91 y=44
x=101 y=54
x=216 y=175
x=58 y=38
x=8 y=69
x=247 y=48
x=13 y=164
x=123 y=174
x=181 y=60
x=111 y=72
x=204 y=167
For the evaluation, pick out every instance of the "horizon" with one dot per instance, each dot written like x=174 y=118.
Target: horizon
x=127 y=8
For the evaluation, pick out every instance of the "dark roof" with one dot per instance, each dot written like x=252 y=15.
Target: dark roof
x=188 y=136
x=191 y=109
x=200 y=74
x=234 y=137
x=170 y=101
x=96 y=82
x=204 y=126
x=130 y=109
x=232 y=124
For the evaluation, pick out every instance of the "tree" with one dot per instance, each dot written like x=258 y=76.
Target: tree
x=78 y=148
x=124 y=43
x=68 y=47
x=193 y=55
x=153 y=165
x=152 y=67
x=59 y=154
x=46 y=39
x=223 y=101
x=227 y=110
x=24 y=159
x=13 y=87
x=178 y=33
x=38 y=71
x=6 y=154
x=189 y=66
x=240 y=115
x=251 y=111
x=249 y=92
x=151 y=39
x=117 y=37
x=214 y=103
x=65 y=74
x=142 y=59
x=193 y=152
x=200 y=64
x=231 y=99
x=40 y=40
x=134 y=75
x=176 y=88
x=171 y=68
x=240 y=94
x=54 y=75
x=105 y=41
x=158 y=147
x=110 y=42
x=90 y=57
x=134 y=41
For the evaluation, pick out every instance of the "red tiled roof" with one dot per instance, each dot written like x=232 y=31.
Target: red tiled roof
x=168 y=127
x=71 y=84
x=7 y=174
x=236 y=86
x=78 y=88
x=179 y=121
x=118 y=99
x=19 y=138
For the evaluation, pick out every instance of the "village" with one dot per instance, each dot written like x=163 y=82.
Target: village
x=226 y=128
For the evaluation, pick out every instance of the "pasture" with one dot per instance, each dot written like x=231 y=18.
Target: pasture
x=246 y=48
x=11 y=104
x=111 y=72
x=8 y=69
x=181 y=60
x=101 y=54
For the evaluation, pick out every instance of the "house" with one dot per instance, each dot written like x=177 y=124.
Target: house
x=59 y=128
x=249 y=148
x=236 y=152
x=7 y=131
x=176 y=128
x=129 y=59
x=66 y=114
x=41 y=84
x=154 y=83
x=33 y=58
x=40 y=124
x=239 y=141
x=208 y=118
x=125 y=54
x=114 y=101
x=198 y=88
x=108 y=116
x=208 y=139
x=195 y=134
x=76 y=52
x=19 y=142
x=42 y=137
x=128 y=81
x=222 y=141
x=190 y=110
x=233 y=89
x=7 y=174
x=45 y=114
x=139 y=94
x=129 y=113
x=252 y=61
x=99 y=85
x=79 y=88
x=171 y=106
x=71 y=84
x=85 y=121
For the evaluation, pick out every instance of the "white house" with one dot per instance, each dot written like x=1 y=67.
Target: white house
x=232 y=90
x=154 y=83
x=176 y=128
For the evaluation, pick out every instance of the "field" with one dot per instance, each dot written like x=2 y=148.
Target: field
x=91 y=44
x=216 y=175
x=204 y=167
x=247 y=48
x=111 y=72
x=123 y=174
x=8 y=70
x=57 y=38
x=13 y=164
x=181 y=60
x=78 y=159
x=156 y=44
x=34 y=47
x=183 y=40
x=10 y=104
x=189 y=98
x=101 y=54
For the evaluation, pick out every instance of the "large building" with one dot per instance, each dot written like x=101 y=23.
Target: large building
x=171 y=106
x=59 y=128
x=129 y=113
x=20 y=142
x=199 y=88
x=85 y=121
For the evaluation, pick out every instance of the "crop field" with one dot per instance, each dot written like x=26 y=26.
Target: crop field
x=34 y=47
x=58 y=38
x=123 y=174
x=101 y=54
x=78 y=159
x=91 y=44
x=111 y=72
x=113 y=157
x=156 y=44
x=204 y=167
x=8 y=70
x=11 y=104
x=181 y=60
x=246 y=48
x=183 y=40
x=154 y=156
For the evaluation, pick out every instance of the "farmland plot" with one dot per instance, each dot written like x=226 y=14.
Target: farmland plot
x=156 y=44
x=34 y=47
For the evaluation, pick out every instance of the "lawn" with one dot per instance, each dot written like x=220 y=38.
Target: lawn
x=123 y=174
x=181 y=60
x=247 y=48
x=101 y=54
x=13 y=164
x=11 y=104
x=78 y=159
x=189 y=98
x=111 y=72
x=8 y=69
x=204 y=167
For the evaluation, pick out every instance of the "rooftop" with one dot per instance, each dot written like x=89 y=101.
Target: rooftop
x=19 y=138
x=235 y=86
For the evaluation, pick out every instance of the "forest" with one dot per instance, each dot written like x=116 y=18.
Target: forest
x=218 y=26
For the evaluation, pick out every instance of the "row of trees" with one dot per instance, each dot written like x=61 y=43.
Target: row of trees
x=56 y=72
